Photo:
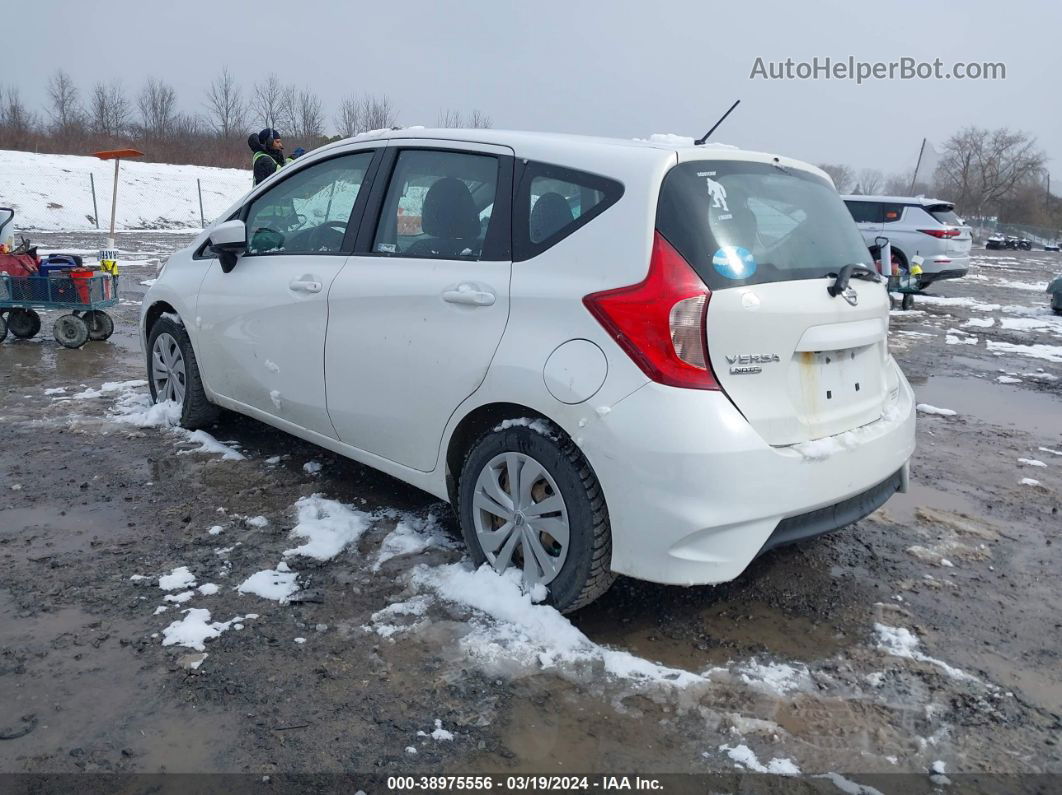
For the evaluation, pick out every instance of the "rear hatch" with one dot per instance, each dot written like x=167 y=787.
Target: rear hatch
x=944 y=212
x=799 y=363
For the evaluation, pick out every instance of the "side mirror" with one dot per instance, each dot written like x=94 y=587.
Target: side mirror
x=228 y=241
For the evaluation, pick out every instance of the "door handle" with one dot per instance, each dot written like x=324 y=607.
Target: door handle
x=468 y=295
x=305 y=286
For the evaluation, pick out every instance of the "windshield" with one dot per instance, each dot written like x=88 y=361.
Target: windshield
x=740 y=223
x=945 y=213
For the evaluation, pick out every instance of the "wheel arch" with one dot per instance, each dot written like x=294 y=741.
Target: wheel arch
x=154 y=312
x=473 y=425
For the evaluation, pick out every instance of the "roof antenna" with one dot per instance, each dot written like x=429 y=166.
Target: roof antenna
x=707 y=135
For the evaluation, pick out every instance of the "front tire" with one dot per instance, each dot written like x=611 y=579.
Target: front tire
x=529 y=499
x=173 y=374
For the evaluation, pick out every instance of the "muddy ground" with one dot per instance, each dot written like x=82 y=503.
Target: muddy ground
x=793 y=661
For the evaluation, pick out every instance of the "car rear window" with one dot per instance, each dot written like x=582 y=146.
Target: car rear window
x=865 y=212
x=739 y=223
x=944 y=213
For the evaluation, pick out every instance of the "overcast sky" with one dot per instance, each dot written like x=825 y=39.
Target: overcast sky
x=611 y=68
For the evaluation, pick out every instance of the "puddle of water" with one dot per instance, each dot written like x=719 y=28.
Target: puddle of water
x=697 y=633
x=901 y=507
x=85 y=690
x=1036 y=413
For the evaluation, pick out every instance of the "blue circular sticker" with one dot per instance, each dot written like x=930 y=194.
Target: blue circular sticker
x=734 y=262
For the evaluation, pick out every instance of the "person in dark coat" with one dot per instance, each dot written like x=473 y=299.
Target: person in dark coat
x=267 y=153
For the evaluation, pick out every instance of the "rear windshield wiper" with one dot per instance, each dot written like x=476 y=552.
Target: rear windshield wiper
x=848 y=272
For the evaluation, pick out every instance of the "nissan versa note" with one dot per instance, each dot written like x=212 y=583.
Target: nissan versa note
x=611 y=357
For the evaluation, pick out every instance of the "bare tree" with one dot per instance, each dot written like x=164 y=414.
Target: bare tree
x=108 y=109
x=158 y=108
x=377 y=113
x=225 y=106
x=448 y=119
x=16 y=122
x=266 y=103
x=870 y=181
x=841 y=175
x=64 y=103
x=310 y=115
x=981 y=168
x=288 y=113
x=348 y=119
x=478 y=120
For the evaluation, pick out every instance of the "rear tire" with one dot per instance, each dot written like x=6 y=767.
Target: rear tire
x=173 y=374
x=23 y=323
x=559 y=473
x=70 y=331
x=3 y=329
x=100 y=324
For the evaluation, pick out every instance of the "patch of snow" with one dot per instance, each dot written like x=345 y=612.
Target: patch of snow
x=1049 y=353
x=925 y=408
x=1031 y=462
x=108 y=388
x=411 y=536
x=257 y=522
x=180 y=598
x=195 y=629
x=311 y=467
x=277 y=584
x=1049 y=450
x=1029 y=482
x=58 y=390
x=977 y=322
x=328 y=527
x=138 y=577
x=179 y=578
x=512 y=627
x=208 y=444
x=215 y=530
x=743 y=756
x=208 y=589
x=1006 y=379
x=901 y=642
x=438 y=733
x=775 y=678
x=850 y=787
x=300 y=641
x=160 y=609
x=272 y=460
x=537 y=425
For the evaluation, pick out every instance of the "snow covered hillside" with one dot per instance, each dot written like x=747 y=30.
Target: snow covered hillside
x=53 y=192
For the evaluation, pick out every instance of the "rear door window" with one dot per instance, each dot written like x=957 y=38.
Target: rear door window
x=738 y=223
x=439 y=204
x=552 y=202
x=865 y=212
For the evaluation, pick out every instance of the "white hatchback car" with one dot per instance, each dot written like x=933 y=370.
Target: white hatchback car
x=611 y=357
x=916 y=226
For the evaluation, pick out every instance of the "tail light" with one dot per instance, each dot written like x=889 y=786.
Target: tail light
x=950 y=232
x=661 y=321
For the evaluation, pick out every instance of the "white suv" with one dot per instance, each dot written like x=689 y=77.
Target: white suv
x=917 y=226
x=611 y=357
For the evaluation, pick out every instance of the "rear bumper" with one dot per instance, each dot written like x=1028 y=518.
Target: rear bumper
x=834 y=517
x=695 y=494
